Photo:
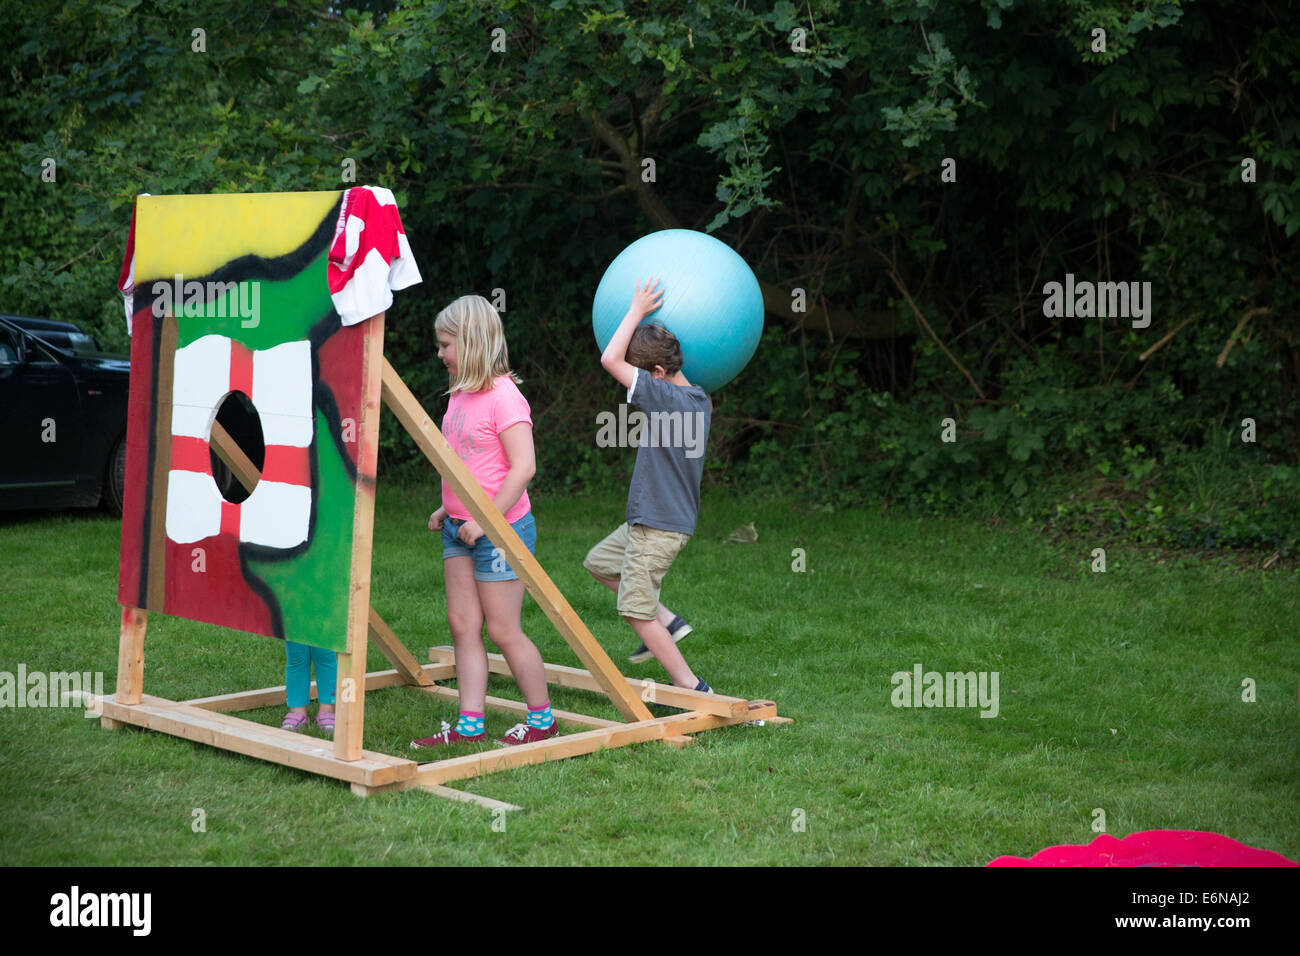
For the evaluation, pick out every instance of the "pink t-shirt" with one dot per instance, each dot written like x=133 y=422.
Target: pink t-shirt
x=473 y=426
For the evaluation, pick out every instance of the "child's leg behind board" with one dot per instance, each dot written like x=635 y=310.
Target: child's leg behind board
x=327 y=675
x=502 y=602
x=297 y=676
x=465 y=619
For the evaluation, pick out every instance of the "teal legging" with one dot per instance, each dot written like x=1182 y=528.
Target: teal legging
x=298 y=659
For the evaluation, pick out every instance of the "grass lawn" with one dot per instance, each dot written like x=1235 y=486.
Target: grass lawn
x=1120 y=691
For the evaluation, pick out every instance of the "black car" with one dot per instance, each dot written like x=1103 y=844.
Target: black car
x=62 y=417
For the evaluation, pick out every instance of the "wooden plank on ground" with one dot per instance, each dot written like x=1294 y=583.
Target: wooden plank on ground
x=299 y=751
x=350 y=697
x=273 y=696
x=454 y=471
x=579 y=679
x=558 y=748
x=521 y=708
x=464 y=797
x=574 y=745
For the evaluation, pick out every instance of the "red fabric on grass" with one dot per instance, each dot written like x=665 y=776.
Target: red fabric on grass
x=1153 y=848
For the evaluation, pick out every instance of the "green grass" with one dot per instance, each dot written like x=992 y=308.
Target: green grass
x=1120 y=691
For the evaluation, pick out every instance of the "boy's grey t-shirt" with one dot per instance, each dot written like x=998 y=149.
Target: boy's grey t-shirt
x=665 y=490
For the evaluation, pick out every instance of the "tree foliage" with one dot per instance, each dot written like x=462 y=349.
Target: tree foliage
x=528 y=143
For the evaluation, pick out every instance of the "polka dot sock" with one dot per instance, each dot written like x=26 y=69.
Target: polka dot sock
x=541 y=718
x=470 y=724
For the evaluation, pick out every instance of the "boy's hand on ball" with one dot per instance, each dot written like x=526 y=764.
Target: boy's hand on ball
x=470 y=532
x=647 y=298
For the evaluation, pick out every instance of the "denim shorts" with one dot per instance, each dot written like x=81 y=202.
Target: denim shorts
x=489 y=560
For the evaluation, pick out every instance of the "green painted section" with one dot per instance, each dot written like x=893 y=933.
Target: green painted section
x=262 y=314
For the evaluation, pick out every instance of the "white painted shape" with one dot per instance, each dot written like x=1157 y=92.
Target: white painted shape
x=200 y=378
x=286 y=430
x=193 y=506
x=276 y=515
x=282 y=379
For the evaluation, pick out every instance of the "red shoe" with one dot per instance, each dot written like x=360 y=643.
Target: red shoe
x=524 y=734
x=448 y=735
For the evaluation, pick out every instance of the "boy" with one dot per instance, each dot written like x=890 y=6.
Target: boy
x=664 y=497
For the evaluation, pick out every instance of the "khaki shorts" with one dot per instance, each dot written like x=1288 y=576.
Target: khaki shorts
x=638 y=558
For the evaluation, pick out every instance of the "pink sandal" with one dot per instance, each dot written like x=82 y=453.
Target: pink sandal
x=295 y=722
x=325 y=721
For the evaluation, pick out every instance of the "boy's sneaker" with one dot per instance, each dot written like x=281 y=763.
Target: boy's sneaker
x=524 y=734
x=677 y=629
x=448 y=735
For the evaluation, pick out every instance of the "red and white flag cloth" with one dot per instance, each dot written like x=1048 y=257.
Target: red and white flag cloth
x=126 y=281
x=278 y=380
x=370 y=258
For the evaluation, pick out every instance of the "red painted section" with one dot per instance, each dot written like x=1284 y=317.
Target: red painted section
x=287 y=464
x=340 y=368
x=198 y=583
x=191 y=454
x=229 y=519
x=241 y=369
x=138 y=445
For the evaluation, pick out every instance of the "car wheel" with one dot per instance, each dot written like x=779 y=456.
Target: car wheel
x=115 y=479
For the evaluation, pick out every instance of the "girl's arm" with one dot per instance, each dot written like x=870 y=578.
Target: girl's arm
x=517 y=441
x=614 y=358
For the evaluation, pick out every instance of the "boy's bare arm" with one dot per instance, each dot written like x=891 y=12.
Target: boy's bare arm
x=614 y=358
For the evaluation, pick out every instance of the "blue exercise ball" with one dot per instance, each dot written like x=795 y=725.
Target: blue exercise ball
x=711 y=302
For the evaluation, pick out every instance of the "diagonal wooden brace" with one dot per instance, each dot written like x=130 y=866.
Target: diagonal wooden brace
x=431 y=441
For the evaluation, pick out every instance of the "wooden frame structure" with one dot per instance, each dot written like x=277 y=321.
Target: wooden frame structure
x=210 y=720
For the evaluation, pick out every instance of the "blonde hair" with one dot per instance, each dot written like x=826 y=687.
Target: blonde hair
x=481 y=355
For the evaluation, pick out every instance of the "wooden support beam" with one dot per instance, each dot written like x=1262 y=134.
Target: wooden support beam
x=573 y=745
x=350 y=696
x=396 y=651
x=579 y=679
x=461 y=795
x=275 y=696
x=454 y=471
x=519 y=707
x=228 y=450
x=361 y=790
x=300 y=751
x=130 y=656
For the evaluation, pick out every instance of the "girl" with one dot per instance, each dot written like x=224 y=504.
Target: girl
x=489 y=424
x=298 y=659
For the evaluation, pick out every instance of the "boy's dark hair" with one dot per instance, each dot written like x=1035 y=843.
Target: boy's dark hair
x=653 y=345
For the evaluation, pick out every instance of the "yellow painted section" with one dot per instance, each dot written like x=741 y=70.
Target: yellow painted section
x=195 y=235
